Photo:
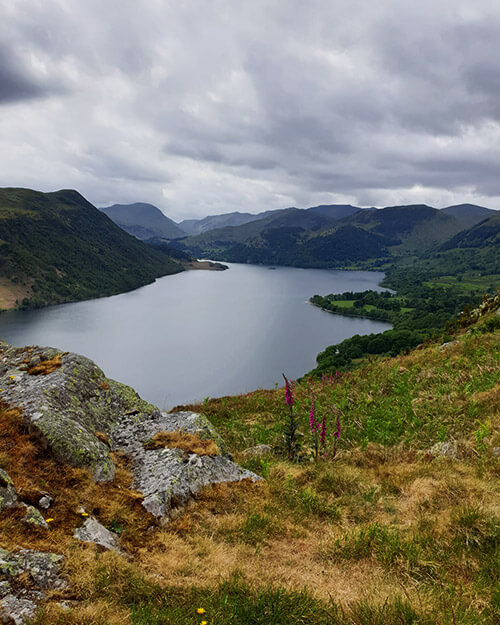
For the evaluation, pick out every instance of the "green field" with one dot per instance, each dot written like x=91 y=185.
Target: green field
x=468 y=282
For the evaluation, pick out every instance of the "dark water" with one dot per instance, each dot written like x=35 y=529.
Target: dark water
x=202 y=333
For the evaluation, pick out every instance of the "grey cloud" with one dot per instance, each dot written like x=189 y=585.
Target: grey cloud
x=247 y=103
x=16 y=84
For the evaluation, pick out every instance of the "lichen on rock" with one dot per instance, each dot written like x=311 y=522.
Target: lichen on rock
x=67 y=406
x=25 y=578
x=82 y=417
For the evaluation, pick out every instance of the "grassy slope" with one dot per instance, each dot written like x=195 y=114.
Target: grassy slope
x=386 y=533
x=295 y=238
x=61 y=248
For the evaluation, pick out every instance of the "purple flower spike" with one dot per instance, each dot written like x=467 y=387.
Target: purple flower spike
x=322 y=435
x=312 y=419
x=337 y=432
x=288 y=391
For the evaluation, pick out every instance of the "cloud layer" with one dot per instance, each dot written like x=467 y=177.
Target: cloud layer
x=210 y=107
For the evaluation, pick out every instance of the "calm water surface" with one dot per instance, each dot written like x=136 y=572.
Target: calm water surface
x=202 y=333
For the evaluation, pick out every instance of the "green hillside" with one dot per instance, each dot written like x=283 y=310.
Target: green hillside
x=330 y=236
x=57 y=247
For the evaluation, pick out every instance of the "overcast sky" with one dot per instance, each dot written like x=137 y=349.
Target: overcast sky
x=209 y=106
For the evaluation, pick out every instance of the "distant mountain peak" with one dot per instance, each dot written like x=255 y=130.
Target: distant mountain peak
x=143 y=221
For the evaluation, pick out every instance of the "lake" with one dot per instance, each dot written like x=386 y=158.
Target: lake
x=202 y=333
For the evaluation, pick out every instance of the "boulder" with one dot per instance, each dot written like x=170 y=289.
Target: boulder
x=445 y=449
x=67 y=402
x=82 y=416
x=170 y=477
x=35 y=517
x=93 y=532
x=25 y=578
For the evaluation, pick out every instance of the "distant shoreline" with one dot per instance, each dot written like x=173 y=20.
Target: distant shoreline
x=207 y=265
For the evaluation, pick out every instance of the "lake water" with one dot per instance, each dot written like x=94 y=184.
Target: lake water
x=202 y=333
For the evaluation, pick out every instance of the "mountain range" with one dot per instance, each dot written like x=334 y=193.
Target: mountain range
x=344 y=236
x=334 y=235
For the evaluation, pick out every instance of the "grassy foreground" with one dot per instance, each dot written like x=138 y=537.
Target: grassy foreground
x=385 y=532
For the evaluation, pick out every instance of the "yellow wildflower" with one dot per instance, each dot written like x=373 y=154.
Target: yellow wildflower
x=84 y=513
x=204 y=623
x=48 y=520
x=200 y=611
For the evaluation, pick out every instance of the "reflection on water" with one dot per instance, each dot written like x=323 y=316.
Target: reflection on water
x=202 y=333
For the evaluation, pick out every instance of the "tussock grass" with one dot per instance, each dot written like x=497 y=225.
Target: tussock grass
x=46 y=366
x=186 y=441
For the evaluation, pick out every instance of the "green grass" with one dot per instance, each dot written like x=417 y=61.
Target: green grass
x=469 y=282
x=386 y=532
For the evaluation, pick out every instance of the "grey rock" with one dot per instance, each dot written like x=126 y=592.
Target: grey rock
x=258 y=451
x=45 y=502
x=93 y=532
x=66 y=407
x=8 y=495
x=169 y=478
x=76 y=408
x=42 y=567
x=496 y=452
x=446 y=345
x=445 y=449
x=17 y=610
x=35 y=517
x=4 y=588
x=17 y=602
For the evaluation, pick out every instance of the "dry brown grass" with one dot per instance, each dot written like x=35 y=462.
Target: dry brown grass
x=35 y=472
x=46 y=366
x=185 y=441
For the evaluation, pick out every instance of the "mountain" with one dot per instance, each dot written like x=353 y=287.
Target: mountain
x=199 y=226
x=214 y=222
x=143 y=221
x=468 y=214
x=57 y=247
x=320 y=237
x=335 y=211
x=484 y=233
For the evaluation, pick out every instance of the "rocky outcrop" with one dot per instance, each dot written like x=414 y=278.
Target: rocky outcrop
x=67 y=404
x=168 y=478
x=25 y=578
x=81 y=417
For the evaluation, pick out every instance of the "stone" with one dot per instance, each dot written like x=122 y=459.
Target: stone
x=169 y=478
x=43 y=567
x=35 y=517
x=93 y=532
x=67 y=406
x=16 y=610
x=45 y=502
x=445 y=449
x=448 y=344
x=18 y=602
x=258 y=451
x=8 y=495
